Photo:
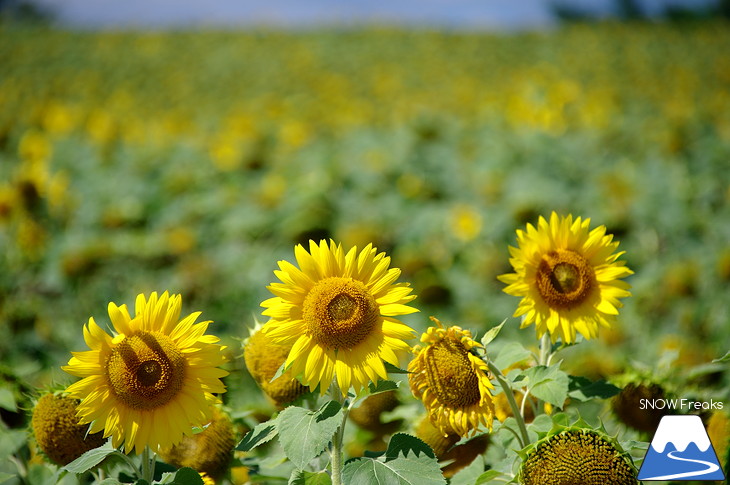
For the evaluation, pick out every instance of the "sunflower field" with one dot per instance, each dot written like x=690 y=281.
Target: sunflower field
x=361 y=256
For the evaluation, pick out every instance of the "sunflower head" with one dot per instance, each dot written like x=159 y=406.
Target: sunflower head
x=568 y=276
x=337 y=312
x=626 y=405
x=58 y=432
x=263 y=358
x=575 y=455
x=153 y=379
x=368 y=415
x=209 y=451
x=452 y=381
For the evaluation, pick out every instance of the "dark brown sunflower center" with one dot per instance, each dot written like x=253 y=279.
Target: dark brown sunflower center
x=450 y=374
x=340 y=312
x=146 y=370
x=564 y=279
x=576 y=457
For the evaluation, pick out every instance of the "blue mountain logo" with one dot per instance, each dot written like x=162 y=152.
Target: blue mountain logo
x=681 y=450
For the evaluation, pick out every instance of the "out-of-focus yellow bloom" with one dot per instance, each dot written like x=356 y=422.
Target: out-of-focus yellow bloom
x=465 y=222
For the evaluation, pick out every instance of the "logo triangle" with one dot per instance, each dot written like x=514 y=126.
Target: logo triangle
x=681 y=450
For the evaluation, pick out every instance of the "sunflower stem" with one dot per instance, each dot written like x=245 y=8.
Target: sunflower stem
x=525 y=437
x=148 y=465
x=337 y=439
x=546 y=347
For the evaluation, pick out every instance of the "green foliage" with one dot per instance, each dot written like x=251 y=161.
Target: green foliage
x=91 y=458
x=262 y=433
x=183 y=476
x=302 y=477
x=305 y=434
x=402 y=443
x=408 y=469
x=584 y=389
x=548 y=383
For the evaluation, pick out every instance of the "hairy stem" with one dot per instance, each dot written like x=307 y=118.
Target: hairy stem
x=337 y=439
x=525 y=438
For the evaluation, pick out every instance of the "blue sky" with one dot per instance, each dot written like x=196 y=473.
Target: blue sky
x=488 y=14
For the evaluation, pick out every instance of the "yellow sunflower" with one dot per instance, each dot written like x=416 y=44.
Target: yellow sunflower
x=338 y=312
x=452 y=382
x=153 y=380
x=568 y=277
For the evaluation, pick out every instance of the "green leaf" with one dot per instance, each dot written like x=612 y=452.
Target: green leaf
x=4 y=477
x=305 y=434
x=187 y=476
x=90 y=459
x=301 y=477
x=42 y=475
x=492 y=333
x=110 y=481
x=7 y=399
x=469 y=474
x=548 y=383
x=583 y=389
x=488 y=476
x=391 y=369
x=510 y=353
x=724 y=358
x=382 y=386
x=262 y=433
x=402 y=443
x=183 y=476
x=408 y=470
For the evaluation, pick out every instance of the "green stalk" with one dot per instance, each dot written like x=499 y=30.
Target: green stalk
x=148 y=465
x=512 y=403
x=546 y=346
x=337 y=439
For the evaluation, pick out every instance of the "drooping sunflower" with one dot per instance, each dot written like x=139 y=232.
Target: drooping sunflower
x=575 y=455
x=58 y=432
x=153 y=380
x=209 y=451
x=452 y=382
x=263 y=359
x=338 y=311
x=568 y=277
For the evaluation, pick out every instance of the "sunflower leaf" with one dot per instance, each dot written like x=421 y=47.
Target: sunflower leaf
x=584 y=389
x=510 y=353
x=382 y=386
x=724 y=358
x=90 y=459
x=305 y=434
x=391 y=369
x=469 y=474
x=488 y=476
x=548 y=383
x=403 y=443
x=492 y=333
x=403 y=470
x=183 y=476
x=302 y=477
x=262 y=433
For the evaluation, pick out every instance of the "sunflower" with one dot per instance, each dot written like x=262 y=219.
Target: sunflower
x=574 y=455
x=568 y=277
x=452 y=382
x=153 y=380
x=263 y=359
x=209 y=451
x=58 y=432
x=337 y=312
